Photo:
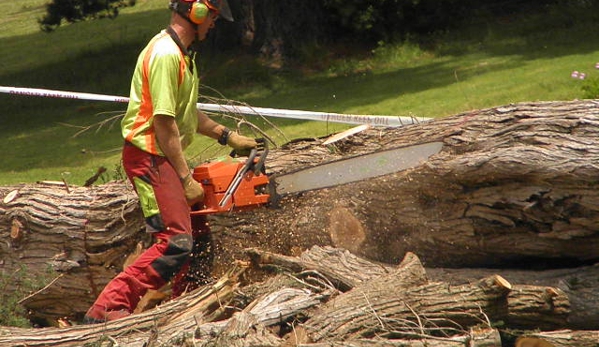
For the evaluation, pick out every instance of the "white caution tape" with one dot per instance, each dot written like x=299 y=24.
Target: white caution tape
x=385 y=121
x=61 y=94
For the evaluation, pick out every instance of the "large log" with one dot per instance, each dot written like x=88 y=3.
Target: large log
x=378 y=310
x=391 y=301
x=512 y=183
x=579 y=284
x=76 y=238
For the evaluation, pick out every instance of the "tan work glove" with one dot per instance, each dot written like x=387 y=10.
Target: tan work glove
x=194 y=193
x=241 y=144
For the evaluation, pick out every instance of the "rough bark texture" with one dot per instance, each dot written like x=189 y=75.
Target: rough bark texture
x=303 y=309
x=514 y=186
x=579 y=284
x=73 y=238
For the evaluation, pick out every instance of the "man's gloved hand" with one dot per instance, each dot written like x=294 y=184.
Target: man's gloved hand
x=241 y=144
x=194 y=192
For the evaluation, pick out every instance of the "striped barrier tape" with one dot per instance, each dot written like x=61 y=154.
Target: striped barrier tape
x=385 y=121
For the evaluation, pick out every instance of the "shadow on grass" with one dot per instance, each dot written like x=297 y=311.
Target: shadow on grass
x=98 y=57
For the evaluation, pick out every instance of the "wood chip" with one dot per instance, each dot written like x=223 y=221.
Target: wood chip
x=346 y=133
x=11 y=196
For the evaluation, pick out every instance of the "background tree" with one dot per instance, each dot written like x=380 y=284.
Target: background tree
x=283 y=28
x=78 y=10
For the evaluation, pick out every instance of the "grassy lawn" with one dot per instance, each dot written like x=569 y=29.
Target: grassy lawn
x=492 y=63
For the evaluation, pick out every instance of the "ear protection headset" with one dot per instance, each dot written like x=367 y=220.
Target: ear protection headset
x=196 y=12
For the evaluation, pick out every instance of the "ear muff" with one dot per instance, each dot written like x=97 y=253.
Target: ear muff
x=198 y=12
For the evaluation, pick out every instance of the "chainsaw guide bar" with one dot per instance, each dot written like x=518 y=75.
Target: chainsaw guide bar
x=353 y=169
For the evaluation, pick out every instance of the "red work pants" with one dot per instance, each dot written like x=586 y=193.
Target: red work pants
x=167 y=216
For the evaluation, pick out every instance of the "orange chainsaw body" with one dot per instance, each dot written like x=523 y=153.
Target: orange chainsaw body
x=217 y=176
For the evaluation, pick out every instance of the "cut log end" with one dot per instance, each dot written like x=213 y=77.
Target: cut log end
x=532 y=342
x=16 y=229
x=345 y=230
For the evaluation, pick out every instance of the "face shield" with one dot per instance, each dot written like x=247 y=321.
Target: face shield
x=221 y=7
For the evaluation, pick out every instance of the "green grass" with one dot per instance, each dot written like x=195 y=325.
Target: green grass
x=493 y=62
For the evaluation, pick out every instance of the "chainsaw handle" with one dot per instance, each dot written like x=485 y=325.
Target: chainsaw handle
x=262 y=145
x=238 y=177
x=259 y=166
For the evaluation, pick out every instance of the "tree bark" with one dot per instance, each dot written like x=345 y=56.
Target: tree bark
x=74 y=238
x=514 y=186
x=475 y=338
x=206 y=316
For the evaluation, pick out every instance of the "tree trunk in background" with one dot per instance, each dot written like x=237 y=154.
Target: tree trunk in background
x=282 y=26
x=271 y=28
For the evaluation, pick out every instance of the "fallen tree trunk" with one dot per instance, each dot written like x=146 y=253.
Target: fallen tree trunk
x=513 y=185
x=74 y=239
x=579 y=284
x=379 y=309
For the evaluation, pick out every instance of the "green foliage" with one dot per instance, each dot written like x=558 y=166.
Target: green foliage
x=386 y=19
x=397 y=19
x=14 y=287
x=590 y=88
x=79 y=10
x=493 y=61
x=589 y=84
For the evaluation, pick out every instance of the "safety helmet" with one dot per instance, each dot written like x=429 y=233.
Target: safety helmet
x=197 y=10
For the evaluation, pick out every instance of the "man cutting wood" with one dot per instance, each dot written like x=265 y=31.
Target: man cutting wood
x=161 y=121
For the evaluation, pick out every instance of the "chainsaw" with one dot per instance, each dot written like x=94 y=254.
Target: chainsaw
x=235 y=184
